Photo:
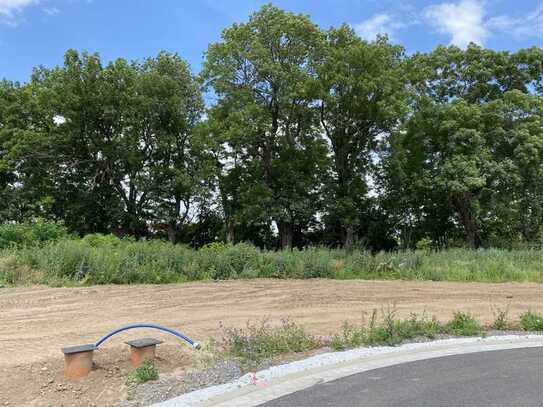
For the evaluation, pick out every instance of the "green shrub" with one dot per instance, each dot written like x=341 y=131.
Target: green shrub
x=105 y=259
x=110 y=261
x=145 y=373
x=100 y=240
x=261 y=341
x=350 y=336
x=30 y=234
x=463 y=324
x=501 y=319
x=225 y=261
x=390 y=331
x=424 y=244
x=530 y=321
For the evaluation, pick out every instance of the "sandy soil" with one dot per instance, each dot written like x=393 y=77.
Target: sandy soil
x=36 y=322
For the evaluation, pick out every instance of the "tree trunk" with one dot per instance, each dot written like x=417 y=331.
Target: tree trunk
x=173 y=230
x=286 y=232
x=463 y=206
x=349 y=237
x=231 y=232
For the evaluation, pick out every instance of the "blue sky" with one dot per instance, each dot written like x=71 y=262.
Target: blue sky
x=38 y=32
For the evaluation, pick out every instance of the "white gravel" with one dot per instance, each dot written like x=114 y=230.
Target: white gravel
x=265 y=378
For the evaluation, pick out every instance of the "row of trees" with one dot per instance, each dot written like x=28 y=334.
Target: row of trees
x=310 y=136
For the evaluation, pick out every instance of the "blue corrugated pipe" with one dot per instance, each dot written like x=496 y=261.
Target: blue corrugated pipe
x=195 y=345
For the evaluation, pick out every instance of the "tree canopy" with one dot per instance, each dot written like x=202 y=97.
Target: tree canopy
x=309 y=136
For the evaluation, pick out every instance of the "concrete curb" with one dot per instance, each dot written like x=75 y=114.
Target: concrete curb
x=278 y=381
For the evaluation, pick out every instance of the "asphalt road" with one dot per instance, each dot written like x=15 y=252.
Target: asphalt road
x=511 y=378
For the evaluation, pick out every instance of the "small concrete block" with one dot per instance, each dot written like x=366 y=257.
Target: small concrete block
x=142 y=350
x=144 y=342
x=78 y=349
x=78 y=361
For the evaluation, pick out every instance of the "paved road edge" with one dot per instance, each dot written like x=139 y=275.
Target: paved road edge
x=254 y=389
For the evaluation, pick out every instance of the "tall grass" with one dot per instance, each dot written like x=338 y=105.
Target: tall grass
x=98 y=259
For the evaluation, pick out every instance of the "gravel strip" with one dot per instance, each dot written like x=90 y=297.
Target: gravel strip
x=171 y=386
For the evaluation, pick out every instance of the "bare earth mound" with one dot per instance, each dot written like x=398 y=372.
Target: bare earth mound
x=36 y=322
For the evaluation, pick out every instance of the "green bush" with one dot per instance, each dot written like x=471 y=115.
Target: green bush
x=501 y=319
x=106 y=259
x=463 y=324
x=530 y=321
x=115 y=262
x=145 y=373
x=350 y=336
x=100 y=240
x=261 y=341
x=390 y=331
x=30 y=234
x=225 y=261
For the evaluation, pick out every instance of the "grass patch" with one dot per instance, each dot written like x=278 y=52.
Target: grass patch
x=105 y=259
x=530 y=321
x=391 y=331
x=463 y=324
x=145 y=373
x=501 y=319
x=261 y=341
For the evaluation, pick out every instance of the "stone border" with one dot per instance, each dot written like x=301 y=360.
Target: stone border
x=277 y=381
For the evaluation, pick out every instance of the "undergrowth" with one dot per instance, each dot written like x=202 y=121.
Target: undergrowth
x=145 y=373
x=530 y=321
x=261 y=341
x=105 y=259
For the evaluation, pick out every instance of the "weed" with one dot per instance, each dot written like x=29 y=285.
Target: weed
x=30 y=234
x=349 y=337
x=530 y=321
x=105 y=259
x=390 y=331
x=145 y=373
x=261 y=341
x=501 y=318
x=463 y=324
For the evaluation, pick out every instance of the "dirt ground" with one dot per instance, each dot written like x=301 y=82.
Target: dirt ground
x=35 y=322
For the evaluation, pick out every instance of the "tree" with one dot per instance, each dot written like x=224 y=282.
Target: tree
x=515 y=127
x=26 y=180
x=362 y=97
x=116 y=145
x=169 y=105
x=453 y=161
x=261 y=72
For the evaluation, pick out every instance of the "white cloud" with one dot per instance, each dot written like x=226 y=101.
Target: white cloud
x=529 y=25
x=463 y=21
x=378 y=24
x=51 y=11
x=8 y=8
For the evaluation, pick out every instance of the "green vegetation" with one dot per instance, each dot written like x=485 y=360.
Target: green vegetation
x=261 y=341
x=530 y=321
x=314 y=137
x=145 y=373
x=463 y=324
x=105 y=259
x=30 y=234
x=392 y=331
x=501 y=319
